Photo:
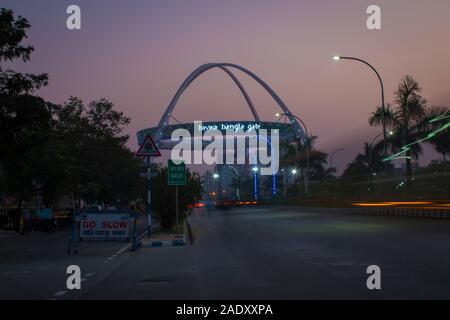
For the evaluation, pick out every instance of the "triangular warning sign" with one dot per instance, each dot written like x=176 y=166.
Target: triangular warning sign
x=148 y=148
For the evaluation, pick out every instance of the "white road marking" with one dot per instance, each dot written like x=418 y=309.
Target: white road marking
x=60 y=293
x=130 y=244
x=15 y=272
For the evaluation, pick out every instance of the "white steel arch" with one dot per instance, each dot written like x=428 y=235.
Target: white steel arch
x=299 y=133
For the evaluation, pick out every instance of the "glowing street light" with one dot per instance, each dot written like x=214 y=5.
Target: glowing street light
x=215 y=177
x=305 y=172
x=294 y=171
x=255 y=169
x=337 y=58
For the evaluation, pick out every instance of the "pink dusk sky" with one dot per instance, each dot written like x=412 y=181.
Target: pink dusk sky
x=137 y=53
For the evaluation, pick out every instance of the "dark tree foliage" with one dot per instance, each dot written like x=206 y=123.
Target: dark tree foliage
x=62 y=150
x=163 y=196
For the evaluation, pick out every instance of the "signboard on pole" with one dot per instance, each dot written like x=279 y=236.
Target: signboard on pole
x=105 y=226
x=176 y=174
x=148 y=148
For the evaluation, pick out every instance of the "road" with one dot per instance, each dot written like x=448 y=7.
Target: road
x=275 y=253
x=34 y=266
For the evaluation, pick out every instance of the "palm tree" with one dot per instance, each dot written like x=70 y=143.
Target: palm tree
x=406 y=119
x=366 y=163
x=438 y=117
x=383 y=116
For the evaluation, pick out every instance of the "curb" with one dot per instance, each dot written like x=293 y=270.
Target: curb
x=164 y=243
x=187 y=234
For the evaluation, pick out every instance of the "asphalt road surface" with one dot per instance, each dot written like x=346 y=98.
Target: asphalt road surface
x=260 y=253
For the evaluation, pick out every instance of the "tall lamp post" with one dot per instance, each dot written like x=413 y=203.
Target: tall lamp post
x=215 y=177
x=239 y=182
x=371 y=146
x=299 y=145
x=337 y=58
x=255 y=182
x=332 y=156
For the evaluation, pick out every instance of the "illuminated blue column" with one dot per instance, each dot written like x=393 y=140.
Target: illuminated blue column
x=274 y=184
x=255 y=185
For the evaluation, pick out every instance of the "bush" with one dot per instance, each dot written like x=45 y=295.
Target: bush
x=163 y=196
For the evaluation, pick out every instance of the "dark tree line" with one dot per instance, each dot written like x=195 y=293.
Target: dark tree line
x=72 y=149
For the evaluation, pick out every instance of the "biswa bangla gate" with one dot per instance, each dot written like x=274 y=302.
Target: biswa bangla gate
x=162 y=134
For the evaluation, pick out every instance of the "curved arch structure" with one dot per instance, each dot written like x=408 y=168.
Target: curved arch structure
x=299 y=133
x=244 y=93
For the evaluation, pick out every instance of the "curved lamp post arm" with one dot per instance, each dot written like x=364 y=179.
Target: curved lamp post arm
x=306 y=141
x=382 y=89
x=374 y=70
x=332 y=156
x=289 y=114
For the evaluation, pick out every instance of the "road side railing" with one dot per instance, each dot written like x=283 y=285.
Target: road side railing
x=391 y=212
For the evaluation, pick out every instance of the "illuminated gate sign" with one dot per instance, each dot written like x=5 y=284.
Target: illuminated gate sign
x=285 y=129
x=105 y=226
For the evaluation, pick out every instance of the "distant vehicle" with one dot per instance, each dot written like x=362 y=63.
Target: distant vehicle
x=224 y=203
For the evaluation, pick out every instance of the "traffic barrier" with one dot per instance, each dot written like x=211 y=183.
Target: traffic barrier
x=106 y=226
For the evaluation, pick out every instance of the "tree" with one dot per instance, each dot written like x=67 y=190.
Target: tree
x=66 y=150
x=25 y=119
x=404 y=119
x=438 y=122
x=101 y=168
x=163 y=195
x=12 y=32
x=296 y=157
x=367 y=163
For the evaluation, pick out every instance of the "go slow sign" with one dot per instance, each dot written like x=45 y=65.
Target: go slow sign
x=176 y=174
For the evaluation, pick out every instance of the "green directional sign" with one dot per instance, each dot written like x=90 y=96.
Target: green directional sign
x=177 y=174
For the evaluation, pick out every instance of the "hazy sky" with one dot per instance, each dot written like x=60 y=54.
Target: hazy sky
x=137 y=53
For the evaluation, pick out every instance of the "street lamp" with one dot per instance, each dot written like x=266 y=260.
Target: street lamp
x=255 y=182
x=294 y=171
x=239 y=181
x=215 y=177
x=299 y=144
x=337 y=58
x=332 y=156
x=371 y=146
